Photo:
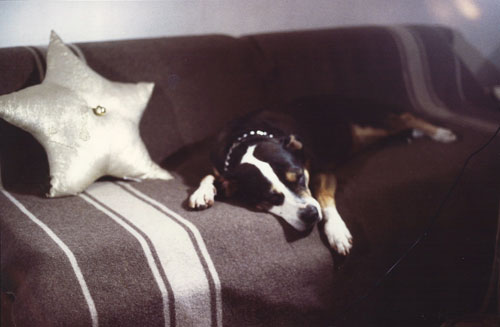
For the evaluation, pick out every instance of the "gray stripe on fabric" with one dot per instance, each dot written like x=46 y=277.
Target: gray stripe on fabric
x=176 y=252
x=458 y=78
x=415 y=72
x=38 y=61
x=72 y=259
x=148 y=252
x=419 y=84
x=209 y=267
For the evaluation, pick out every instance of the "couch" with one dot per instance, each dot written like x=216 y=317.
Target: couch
x=82 y=261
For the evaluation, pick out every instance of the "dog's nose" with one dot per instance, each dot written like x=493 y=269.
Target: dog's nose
x=309 y=214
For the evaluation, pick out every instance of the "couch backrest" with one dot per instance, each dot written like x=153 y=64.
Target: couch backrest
x=204 y=81
x=374 y=62
x=200 y=82
x=349 y=62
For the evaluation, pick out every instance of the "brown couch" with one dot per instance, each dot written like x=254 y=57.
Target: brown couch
x=244 y=268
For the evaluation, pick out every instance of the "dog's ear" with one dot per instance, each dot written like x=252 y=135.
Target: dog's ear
x=292 y=142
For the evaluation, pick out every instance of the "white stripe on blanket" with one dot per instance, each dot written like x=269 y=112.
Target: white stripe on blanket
x=199 y=242
x=174 y=247
x=66 y=250
x=147 y=252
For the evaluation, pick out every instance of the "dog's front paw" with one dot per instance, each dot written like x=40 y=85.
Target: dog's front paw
x=203 y=197
x=444 y=135
x=337 y=233
x=339 y=237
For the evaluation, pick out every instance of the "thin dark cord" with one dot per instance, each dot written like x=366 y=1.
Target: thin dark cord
x=423 y=236
x=493 y=284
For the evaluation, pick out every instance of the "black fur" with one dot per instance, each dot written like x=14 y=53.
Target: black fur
x=321 y=124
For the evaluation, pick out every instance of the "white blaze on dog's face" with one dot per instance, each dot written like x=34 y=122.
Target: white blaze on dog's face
x=279 y=185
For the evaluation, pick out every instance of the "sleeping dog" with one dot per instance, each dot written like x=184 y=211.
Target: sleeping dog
x=283 y=162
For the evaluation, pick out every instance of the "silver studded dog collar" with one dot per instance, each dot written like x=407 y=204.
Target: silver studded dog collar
x=240 y=140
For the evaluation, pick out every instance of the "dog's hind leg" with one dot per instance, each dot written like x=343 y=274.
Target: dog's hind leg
x=335 y=229
x=204 y=196
x=364 y=136
x=420 y=126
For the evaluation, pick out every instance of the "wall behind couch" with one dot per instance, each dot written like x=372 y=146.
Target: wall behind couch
x=29 y=22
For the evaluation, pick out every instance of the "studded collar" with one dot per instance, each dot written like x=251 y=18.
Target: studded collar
x=240 y=140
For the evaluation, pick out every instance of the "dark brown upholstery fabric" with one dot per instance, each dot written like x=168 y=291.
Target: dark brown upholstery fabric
x=132 y=254
x=20 y=67
x=347 y=62
x=200 y=82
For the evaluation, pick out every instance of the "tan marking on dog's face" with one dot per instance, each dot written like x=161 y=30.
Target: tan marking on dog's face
x=291 y=176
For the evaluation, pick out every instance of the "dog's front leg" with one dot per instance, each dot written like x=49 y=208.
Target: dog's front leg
x=336 y=231
x=204 y=196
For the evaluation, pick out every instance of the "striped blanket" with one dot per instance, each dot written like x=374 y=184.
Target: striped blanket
x=120 y=254
x=114 y=246
x=132 y=254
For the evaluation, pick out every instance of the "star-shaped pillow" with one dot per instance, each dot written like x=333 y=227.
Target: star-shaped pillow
x=88 y=125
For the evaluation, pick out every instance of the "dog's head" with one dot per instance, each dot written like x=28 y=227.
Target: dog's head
x=272 y=176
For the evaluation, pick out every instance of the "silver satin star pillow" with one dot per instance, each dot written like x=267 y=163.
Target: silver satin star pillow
x=88 y=125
